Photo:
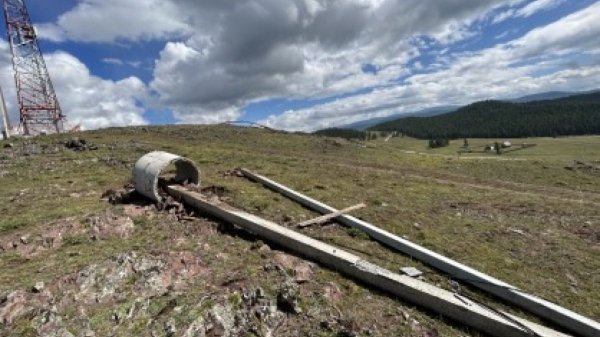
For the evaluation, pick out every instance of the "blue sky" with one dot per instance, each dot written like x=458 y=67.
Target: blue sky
x=304 y=64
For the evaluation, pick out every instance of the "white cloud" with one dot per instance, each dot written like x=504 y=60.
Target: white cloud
x=113 y=61
x=92 y=101
x=527 y=65
x=221 y=55
x=538 y=6
x=85 y=99
x=528 y=10
x=111 y=20
x=242 y=52
x=118 y=62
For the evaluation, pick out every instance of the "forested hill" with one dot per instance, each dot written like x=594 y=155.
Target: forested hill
x=574 y=115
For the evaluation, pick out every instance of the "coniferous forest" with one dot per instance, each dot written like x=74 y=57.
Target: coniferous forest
x=573 y=115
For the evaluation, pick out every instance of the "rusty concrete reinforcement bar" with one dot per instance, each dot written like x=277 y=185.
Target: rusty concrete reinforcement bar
x=549 y=311
x=418 y=292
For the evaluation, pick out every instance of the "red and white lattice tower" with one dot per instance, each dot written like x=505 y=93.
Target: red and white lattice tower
x=38 y=105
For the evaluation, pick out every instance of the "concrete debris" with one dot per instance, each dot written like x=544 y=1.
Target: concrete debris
x=38 y=287
x=411 y=271
x=77 y=144
x=124 y=195
x=234 y=173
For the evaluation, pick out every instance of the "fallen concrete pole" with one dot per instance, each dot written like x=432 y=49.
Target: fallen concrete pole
x=412 y=290
x=563 y=317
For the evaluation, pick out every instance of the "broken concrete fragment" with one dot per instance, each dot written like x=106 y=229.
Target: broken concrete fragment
x=38 y=287
x=411 y=271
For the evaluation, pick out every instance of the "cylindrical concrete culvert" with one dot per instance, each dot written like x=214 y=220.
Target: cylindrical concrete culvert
x=149 y=168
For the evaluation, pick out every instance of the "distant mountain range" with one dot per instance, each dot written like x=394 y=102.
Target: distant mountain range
x=435 y=111
x=532 y=116
x=365 y=124
x=549 y=96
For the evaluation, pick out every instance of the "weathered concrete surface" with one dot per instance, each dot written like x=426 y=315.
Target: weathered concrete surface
x=148 y=169
x=561 y=316
x=407 y=288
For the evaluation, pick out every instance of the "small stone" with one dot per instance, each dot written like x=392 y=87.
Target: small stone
x=170 y=328
x=89 y=333
x=24 y=239
x=38 y=287
x=9 y=145
x=264 y=248
x=332 y=292
x=417 y=225
x=260 y=293
x=517 y=231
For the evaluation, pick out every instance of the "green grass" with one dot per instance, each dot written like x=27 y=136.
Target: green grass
x=470 y=208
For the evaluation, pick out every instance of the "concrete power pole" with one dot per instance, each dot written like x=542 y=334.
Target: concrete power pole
x=5 y=120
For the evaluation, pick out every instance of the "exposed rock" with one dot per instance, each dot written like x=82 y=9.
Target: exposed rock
x=287 y=298
x=170 y=328
x=77 y=144
x=303 y=272
x=332 y=292
x=348 y=328
x=285 y=261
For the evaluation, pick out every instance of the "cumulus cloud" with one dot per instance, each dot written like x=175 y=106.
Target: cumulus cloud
x=527 y=65
x=247 y=51
x=92 y=101
x=111 y=20
x=219 y=56
x=85 y=99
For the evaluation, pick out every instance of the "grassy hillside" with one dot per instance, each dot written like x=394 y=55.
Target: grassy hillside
x=574 y=115
x=124 y=269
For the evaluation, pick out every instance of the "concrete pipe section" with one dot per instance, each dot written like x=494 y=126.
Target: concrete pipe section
x=148 y=169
